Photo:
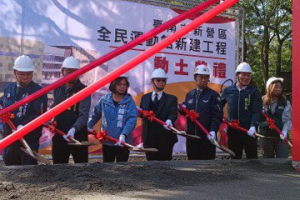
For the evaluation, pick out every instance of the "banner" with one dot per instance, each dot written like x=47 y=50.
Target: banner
x=49 y=31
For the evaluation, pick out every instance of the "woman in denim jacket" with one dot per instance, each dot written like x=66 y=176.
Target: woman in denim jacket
x=119 y=114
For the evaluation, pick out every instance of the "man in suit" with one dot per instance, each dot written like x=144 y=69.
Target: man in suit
x=165 y=108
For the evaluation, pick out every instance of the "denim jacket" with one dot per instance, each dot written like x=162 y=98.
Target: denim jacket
x=116 y=120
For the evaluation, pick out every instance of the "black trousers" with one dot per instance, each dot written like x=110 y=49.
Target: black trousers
x=61 y=151
x=14 y=155
x=237 y=141
x=201 y=149
x=165 y=149
x=112 y=153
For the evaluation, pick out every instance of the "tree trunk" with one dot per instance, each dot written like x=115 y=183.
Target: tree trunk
x=265 y=56
x=279 y=58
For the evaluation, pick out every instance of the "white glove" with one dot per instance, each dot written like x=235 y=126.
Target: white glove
x=71 y=133
x=168 y=123
x=138 y=108
x=19 y=127
x=211 y=136
x=121 y=140
x=183 y=105
x=251 y=132
x=283 y=136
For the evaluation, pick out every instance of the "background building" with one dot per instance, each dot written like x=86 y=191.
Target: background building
x=53 y=59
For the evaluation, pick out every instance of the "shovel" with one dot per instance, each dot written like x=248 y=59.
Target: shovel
x=151 y=117
x=6 y=118
x=193 y=116
x=74 y=142
x=102 y=136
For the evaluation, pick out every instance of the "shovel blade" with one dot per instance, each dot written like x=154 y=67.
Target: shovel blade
x=29 y=153
x=144 y=149
x=37 y=156
x=227 y=150
x=41 y=158
x=189 y=136
x=83 y=143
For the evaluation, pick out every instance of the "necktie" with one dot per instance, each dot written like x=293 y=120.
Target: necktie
x=155 y=98
x=198 y=92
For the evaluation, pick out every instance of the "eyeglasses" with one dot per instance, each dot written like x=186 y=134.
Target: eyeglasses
x=161 y=80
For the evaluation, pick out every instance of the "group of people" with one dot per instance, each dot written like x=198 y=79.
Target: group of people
x=118 y=114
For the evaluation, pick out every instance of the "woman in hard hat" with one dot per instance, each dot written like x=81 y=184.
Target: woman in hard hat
x=279 y=109
x=119 y=114
x=165 y=108
x=204 y=101
x=72 y=121
x=14 y=92
x=244 y=104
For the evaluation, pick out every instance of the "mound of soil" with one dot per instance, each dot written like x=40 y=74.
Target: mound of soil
x=57 y=181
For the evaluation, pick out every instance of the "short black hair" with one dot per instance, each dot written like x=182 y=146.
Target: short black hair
x=112 y=86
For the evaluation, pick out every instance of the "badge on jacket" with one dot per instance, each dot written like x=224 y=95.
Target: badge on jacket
x=281 y=107
x=247 y=102
x=190 y=101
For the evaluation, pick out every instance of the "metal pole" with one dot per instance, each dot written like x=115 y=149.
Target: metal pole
x=111 y=55
x=116 y=73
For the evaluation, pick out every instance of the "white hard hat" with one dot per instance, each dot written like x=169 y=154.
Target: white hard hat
x=202 y=69
x=159 y=73
x=272 y=80
x=71 y=63
x=24 y=64
x=243 y=67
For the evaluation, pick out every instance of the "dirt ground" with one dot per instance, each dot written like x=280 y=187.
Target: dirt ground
x=153 y=180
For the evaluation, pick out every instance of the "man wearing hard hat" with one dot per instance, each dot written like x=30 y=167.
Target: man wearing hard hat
x=14 y=92
x=72 y=121
x=280 y=110
x=204 y=101
x=244 y=104
x=165 y=108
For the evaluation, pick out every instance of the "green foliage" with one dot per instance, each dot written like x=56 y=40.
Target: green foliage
x=267 y=37
x=268 y=33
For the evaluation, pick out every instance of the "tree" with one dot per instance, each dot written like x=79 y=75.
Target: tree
x=267 y=37
x=282 y=29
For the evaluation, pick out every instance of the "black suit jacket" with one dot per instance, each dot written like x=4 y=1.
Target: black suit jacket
x=167 y=109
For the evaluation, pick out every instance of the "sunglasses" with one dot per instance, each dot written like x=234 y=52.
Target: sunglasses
x=161 y=80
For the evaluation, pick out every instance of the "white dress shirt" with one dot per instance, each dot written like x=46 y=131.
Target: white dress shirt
x=158 y=93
